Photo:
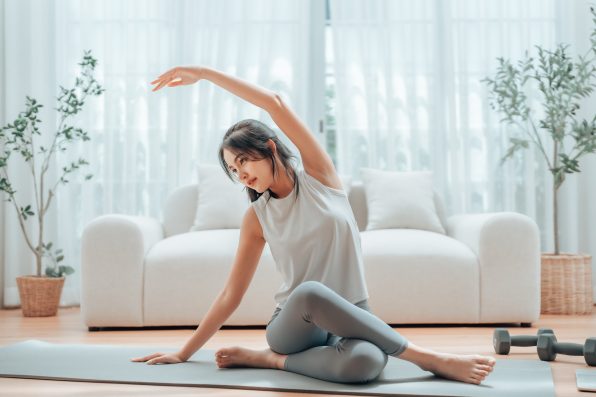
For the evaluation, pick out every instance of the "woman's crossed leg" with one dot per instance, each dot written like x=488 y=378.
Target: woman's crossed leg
x=300 y=340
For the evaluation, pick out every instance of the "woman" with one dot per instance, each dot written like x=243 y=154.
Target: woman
x=322 y=326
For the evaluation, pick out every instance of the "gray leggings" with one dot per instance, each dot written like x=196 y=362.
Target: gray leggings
x=327 y=337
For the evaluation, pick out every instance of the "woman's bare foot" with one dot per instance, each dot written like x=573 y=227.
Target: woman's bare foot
x=241 y=357
x=464 y=368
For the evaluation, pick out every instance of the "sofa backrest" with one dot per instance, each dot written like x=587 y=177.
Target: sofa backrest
x=181 y=206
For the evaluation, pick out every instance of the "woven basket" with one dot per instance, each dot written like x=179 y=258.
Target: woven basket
x=566 y=284
x=40 y=296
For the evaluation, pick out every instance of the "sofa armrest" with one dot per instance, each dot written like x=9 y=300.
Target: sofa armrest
x=507 y=245
x=112 y=267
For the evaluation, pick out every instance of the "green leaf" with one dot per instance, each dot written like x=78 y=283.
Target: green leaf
x=517 y=144
x=570 y=165
x=50 y=272
x=26 y=211
x=66 y=270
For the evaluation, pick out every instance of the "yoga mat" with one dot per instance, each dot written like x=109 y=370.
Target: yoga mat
x=585 y=379
x=111 y=363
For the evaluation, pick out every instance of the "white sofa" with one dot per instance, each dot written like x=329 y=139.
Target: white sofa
x=138 y=271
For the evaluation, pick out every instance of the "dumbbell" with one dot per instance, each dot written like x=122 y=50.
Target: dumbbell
x=502 y=341
x=548 y=347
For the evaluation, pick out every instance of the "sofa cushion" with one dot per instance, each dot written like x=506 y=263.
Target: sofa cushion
x=185 y=273
x=401 y=264
x=221 y=202
x=400 y=200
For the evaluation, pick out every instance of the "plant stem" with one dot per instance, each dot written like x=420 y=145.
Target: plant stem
x=21 y=223
x=539 y=141
x=46 y=161
x=38 y=204
x=32 y=166
x=555 y=202
x=40 y=215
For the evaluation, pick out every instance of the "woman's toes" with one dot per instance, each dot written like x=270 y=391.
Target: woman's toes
x=475 y=380
x=224 y=351
x=486 y=360
x=482 y=373
x=222 y=358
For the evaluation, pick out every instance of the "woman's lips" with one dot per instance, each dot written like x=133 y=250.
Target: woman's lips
x=251 y=183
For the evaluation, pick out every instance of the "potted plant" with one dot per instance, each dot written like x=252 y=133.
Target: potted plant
x=40 y=294
x=563 y=83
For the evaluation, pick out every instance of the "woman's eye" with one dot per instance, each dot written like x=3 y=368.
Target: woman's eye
x=242 y=160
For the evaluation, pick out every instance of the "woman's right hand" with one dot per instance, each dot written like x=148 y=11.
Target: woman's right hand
x=160 y=358
x=177 y=76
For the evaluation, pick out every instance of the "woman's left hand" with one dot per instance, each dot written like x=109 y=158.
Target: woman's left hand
x=178 y=76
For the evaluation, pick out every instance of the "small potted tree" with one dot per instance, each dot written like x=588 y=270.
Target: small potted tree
x=563 y=83
x=40 y=294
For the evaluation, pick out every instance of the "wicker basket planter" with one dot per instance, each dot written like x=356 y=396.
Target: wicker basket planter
x=566 y=283
x=40 y=296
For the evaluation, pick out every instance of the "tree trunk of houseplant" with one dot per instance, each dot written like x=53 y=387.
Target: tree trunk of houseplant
x=40 y=296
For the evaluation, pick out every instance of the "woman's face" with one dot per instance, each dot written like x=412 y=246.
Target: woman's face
x=255 y=174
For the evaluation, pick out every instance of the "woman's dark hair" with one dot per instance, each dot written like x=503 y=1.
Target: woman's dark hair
x=250 y=137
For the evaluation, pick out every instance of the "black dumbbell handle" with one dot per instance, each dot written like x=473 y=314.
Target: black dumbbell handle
x=570 y=349
x=524 y=340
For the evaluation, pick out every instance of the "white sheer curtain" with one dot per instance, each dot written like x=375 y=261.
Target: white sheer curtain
x=409 y=97
x=143 y=144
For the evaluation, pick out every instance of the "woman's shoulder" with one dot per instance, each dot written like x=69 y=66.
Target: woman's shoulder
x=328 y=183
x=251 y=223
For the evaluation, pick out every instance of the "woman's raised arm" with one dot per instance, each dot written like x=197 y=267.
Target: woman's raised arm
x=189 y=75
x=316 y=161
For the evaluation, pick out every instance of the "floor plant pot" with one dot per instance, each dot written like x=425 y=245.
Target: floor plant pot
x=40 y=296
x=566 y=284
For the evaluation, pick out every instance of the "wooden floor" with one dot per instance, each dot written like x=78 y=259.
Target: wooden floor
x=67 y=327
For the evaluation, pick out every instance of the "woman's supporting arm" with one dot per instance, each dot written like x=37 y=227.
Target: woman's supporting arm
x=250 y=248
x=221 y=309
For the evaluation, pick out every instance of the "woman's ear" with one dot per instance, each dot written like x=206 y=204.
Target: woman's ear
x=272 y=145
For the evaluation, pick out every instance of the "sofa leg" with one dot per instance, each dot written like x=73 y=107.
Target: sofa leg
x=93 y=329
x=526 y=325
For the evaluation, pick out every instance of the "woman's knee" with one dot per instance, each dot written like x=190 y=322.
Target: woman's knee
x=281 y=341
x=308 y=293
x=363 y=362
x=275 y=343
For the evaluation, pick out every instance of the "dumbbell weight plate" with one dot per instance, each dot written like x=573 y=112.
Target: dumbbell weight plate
x=590 y=351
x=502 y=340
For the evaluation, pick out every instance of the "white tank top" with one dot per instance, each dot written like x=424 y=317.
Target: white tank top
x=314 y=237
